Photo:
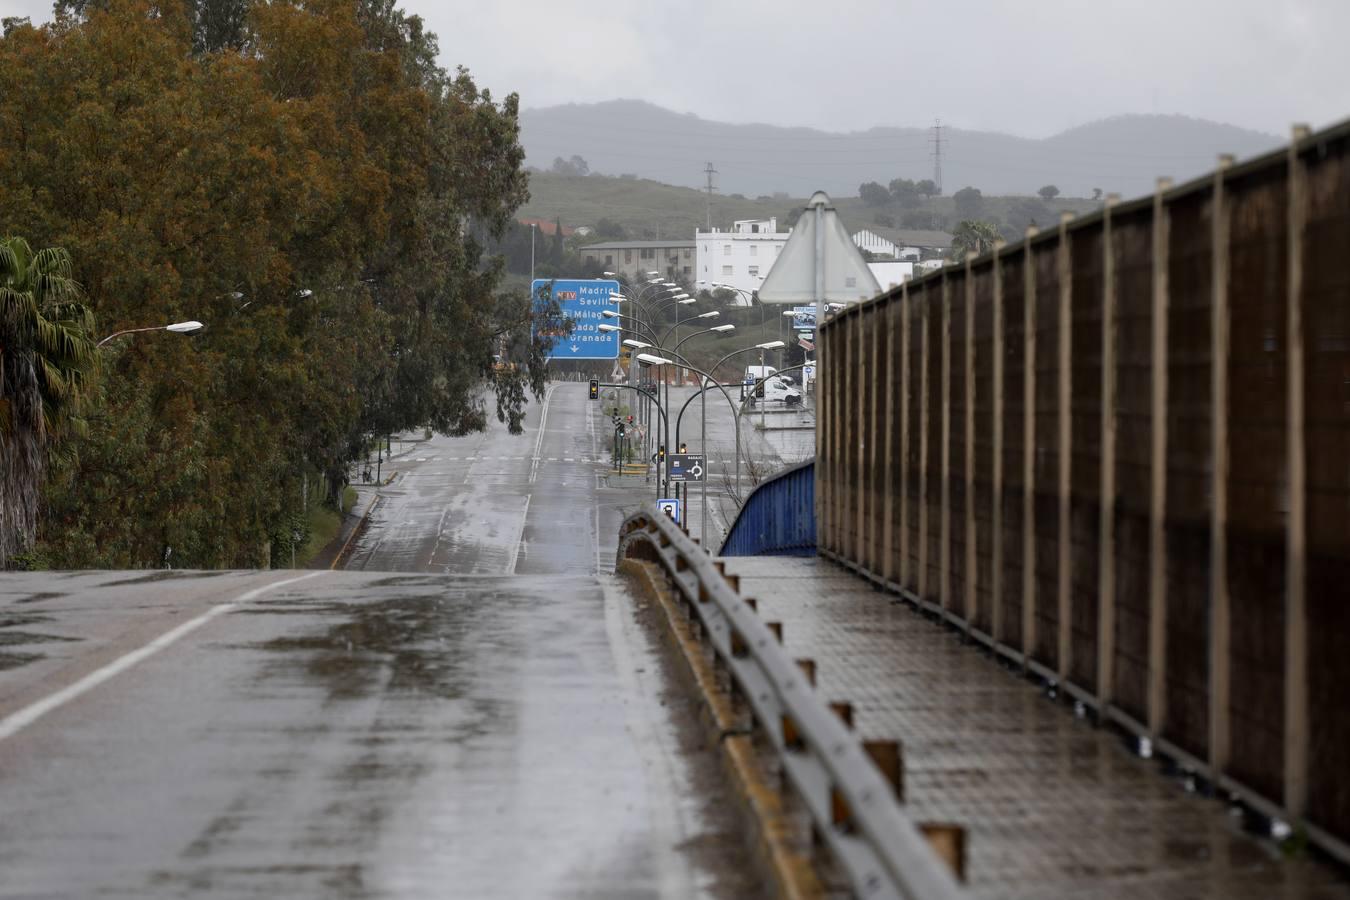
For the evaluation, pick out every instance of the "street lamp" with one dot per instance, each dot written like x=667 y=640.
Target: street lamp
x=190 y=327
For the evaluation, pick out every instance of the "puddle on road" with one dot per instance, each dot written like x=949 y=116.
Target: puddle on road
x=14 y=660
x=39 y=597
x=167 y=575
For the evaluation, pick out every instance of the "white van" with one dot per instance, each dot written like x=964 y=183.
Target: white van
x=776 y=390
x=755 y=373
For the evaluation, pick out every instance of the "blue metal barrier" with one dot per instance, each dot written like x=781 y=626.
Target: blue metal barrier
x=778 y=518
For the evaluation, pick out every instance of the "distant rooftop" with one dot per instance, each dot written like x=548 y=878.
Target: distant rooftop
x=638 y=245
x=910 y=237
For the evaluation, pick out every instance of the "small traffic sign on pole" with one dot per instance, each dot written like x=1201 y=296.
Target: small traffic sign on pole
x=687 y=467
x=669 y=506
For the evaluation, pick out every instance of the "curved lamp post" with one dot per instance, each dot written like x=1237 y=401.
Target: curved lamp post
x=190 y=327
x=648 y=359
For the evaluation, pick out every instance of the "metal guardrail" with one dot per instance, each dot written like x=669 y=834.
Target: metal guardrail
x=881 y=851
x=778 y=517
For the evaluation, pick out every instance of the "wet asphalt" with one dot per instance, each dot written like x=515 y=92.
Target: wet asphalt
x=474 y=709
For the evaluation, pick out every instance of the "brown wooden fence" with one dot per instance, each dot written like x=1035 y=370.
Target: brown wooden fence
x=1119 y=453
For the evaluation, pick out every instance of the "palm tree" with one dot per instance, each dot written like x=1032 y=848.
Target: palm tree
x=47 y=360
x=974 y=237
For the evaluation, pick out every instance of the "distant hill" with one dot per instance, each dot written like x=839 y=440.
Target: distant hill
x=1124 y=154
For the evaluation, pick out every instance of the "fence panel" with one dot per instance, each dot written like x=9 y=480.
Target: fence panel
x=1123 y=449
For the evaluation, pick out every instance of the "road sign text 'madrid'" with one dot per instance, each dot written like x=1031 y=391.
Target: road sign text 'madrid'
x=584 y=303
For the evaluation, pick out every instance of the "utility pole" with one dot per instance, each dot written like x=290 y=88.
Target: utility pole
x=709 y=171
x=936 y=141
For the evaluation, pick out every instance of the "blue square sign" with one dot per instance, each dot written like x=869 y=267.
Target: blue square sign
x=584 y=303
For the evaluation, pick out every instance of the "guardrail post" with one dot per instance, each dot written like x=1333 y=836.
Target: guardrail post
x=1029 y=451
x=1219 y=613
x=996 y=536
x=1157 y=544
x=949 y=842
x=889 y=760
x=1295 y=610
x=1106 y=566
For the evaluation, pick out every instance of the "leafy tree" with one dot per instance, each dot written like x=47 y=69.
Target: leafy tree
x=886 y=220
x=968 y=202
x=47 y=358
x=608 y=228
x=904 y=192
x=1027 y=211
x=873 y=194
x=1049 y=192
x=573 y=166
x=323 y=199
x=973 y=237
x=920 y=218
x=1096 y=193
x=928 y=188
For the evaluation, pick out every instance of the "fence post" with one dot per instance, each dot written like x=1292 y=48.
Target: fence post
x=1220 y=635
x=944 y=532
x=1157 y=509
x=924 y=404
x=887 y=550
x=972 y=567
x=1106 y=588
x=1065 y=422
x=1029 y=453
x=830 y=383
x=1295 y=610
x=996 y=536
x=876 y=313
x=906 y=391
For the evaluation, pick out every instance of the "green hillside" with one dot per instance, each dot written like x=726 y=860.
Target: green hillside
x=648 y=210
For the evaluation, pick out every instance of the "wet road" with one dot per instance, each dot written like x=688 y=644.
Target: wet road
x=476 y=713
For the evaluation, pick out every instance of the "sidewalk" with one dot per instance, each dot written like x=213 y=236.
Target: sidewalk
x=367 y=496
x=1053 y=806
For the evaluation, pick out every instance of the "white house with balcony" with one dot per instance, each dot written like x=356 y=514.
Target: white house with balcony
x=740 y=257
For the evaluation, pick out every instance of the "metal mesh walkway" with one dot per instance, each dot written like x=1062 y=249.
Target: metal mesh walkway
x=1053 y=806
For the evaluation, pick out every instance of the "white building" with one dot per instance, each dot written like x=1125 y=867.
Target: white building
x=891 y=274
x=740 y=257
x=875 y=244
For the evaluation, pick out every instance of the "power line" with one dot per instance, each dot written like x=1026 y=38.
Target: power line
x=937 y=154
x=710 y=172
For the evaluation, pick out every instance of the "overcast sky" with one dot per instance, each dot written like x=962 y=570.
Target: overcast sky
x=1028 y=68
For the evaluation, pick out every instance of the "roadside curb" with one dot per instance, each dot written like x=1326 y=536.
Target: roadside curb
x=343 y=554
x=774 y=829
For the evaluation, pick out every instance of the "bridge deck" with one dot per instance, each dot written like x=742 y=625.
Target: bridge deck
x=1053 y=806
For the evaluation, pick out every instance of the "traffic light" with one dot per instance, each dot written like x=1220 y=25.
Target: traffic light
x=622 y=430
x=684 y=448
x=661 y=452
x=595 y=389
x=630 y=420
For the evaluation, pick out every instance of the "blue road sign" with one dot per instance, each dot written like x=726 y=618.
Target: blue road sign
x=584 y=302
x=670 y=507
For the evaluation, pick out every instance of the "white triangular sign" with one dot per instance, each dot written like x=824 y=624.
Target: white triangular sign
x=792 y=280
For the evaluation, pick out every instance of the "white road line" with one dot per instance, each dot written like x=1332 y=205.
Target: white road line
x=15 y=722
x=539 y=440
x=520 y=536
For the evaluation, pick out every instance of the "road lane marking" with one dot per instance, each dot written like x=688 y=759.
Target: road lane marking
x=15 y=722
x=520 y=536
x=539 y=440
